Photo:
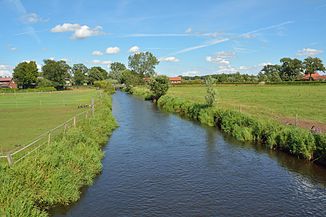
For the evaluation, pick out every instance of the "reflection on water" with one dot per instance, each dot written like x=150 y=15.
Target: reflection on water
x=158 y=164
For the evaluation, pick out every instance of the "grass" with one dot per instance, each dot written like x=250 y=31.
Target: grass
x=55 y=173
x=272 y=101
x=24 y=116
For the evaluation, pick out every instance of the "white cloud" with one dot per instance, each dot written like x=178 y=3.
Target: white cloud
x=13 y=48
x=221 y=58
x=265 y=64
x=102 y=62
x=189 y=30
x=112 y=50
x=97 y=53
x=134 y=49
x=248 y=35
x=32 y=18
x=191 y=73
x=79 y=31
x=5 y=70
x=309 y=52
x=169 y=59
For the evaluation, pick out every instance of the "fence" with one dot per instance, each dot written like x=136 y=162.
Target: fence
x=18 y=154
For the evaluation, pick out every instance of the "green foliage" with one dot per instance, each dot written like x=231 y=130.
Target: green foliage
x=131 y=79
x=97 y=74
x=270 y=73
x=143 y=63
x=312 y=65
x=56 y=72
x=54 y=174
x=116 y=71
x=142 y=92
x=25 y=74
x=43 y=82
x=211 y=93
x=105 y=85
x=158 y=85
x=296 y=141
x=291 y=69
x=80 y=72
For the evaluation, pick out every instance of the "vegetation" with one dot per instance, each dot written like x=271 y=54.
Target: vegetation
x=211 y=93
x=97 y=74
x=158 y=85
x=311 y=65
x=55 y=173
x=143 y=63
x=27 y=115
x=273 y=135
x=25 y=74
x=56 y=72
x=80 y=72
x=280 y=102
x=116 y=71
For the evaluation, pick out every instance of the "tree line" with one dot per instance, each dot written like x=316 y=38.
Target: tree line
x=288 y=70
x=58 y=74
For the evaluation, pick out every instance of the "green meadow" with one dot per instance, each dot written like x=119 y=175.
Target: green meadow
x=281 y=102
x=24 y=116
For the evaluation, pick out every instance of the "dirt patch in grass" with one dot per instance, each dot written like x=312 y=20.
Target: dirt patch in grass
x=306 y=124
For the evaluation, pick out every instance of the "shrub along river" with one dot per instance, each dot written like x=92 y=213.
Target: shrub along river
x=158 y=164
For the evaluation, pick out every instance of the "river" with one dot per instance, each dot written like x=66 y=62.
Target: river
x=158 y=164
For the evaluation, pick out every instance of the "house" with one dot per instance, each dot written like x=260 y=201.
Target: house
x=175 y=80
x=315 y=77
x=7 y=83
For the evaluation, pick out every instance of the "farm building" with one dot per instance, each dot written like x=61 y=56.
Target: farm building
x=7 y=83
x=175 y=80
x=316 y=77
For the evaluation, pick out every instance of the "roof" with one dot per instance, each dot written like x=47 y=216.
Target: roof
x=175 y=79
x=5 y=79
x=315 y=76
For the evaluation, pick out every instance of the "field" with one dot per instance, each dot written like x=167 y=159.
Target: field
x=280 y=102
x=24 y=116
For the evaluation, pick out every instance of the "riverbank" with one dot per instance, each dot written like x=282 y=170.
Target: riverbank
x=273 y=135
x=55 y=174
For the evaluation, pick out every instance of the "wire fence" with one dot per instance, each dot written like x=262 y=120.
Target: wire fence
x=14 y=156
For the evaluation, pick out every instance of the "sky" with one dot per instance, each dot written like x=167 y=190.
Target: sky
x=189 y=37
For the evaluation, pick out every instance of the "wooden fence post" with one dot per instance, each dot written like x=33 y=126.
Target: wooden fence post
x=10 y=160
x=93 y=106
x=49 y=138
x=74 y=121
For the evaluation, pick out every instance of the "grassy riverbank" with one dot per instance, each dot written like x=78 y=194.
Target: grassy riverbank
x=54 y=174
x=24 y=116
x=246 y=127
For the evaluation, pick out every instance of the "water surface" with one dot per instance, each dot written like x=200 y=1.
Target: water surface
x=158 y=164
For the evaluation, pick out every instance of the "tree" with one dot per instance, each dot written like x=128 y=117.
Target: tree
x=270 y=73
x=159 y=85
x=211 y=93
x=25 y=74
x=97 y=74
x=311 y=65
x=56 y=72
x=143 y=63
x=116 y=71
x=291 y=69
x=80 y=72
x=130 y=79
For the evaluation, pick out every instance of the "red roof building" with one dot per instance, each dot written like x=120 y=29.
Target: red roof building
x=7 y=83
x=175 y=80
x=314 y=77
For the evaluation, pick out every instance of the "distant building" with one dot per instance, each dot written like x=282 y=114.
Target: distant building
x=314 y=77
x=175 y=80
x=7 y=83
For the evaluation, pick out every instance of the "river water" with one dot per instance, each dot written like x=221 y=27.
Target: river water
x=158 y=164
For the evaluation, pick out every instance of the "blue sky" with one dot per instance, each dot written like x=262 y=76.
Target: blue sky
x=189 y=37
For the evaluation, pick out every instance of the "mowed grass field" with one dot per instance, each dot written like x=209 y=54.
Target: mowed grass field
x=281 y=102
x=24 y=116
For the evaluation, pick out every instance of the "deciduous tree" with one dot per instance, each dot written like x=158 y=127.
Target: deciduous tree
x=143 y=63
x=312 y=65
x=25 y=74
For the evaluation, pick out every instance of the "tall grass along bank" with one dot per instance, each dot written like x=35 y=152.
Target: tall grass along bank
x=296 y=141
x=54 y=174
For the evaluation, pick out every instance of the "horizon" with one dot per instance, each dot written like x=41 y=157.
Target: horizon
x=200 y=38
